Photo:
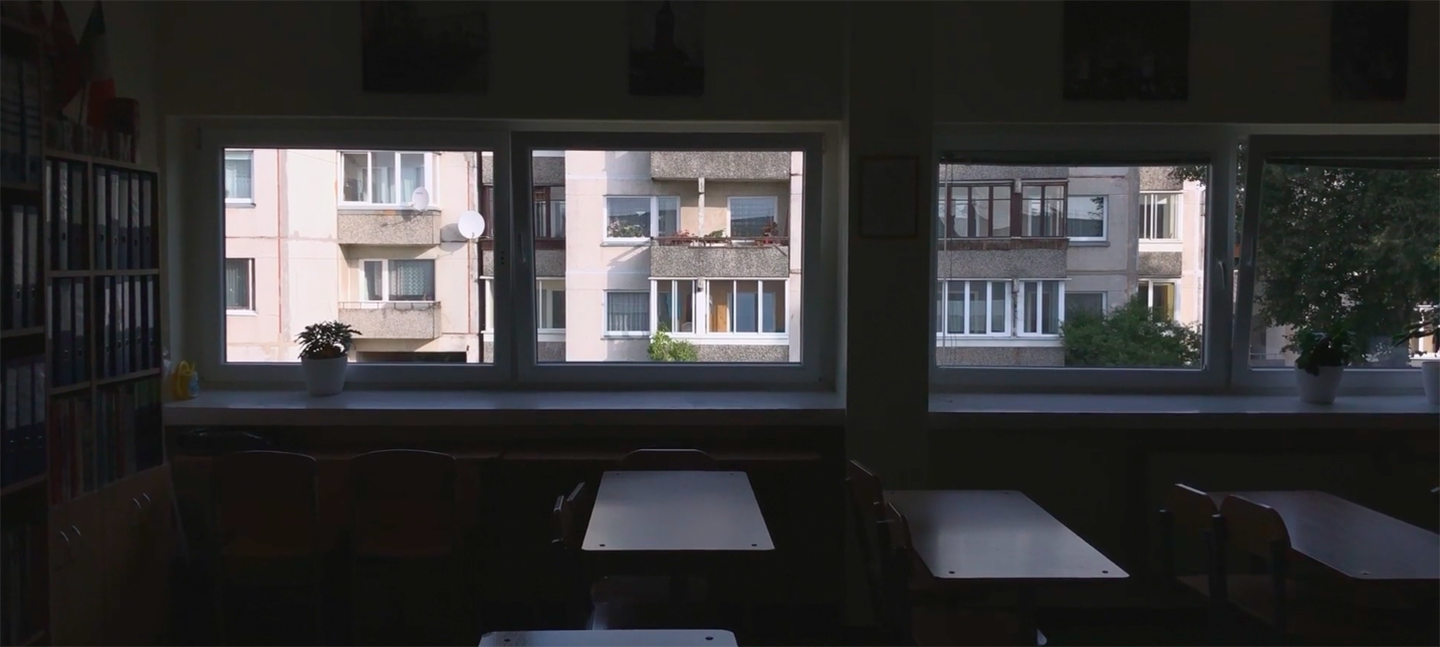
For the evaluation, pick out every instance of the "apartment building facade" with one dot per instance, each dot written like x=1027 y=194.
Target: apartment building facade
x=1021 y=246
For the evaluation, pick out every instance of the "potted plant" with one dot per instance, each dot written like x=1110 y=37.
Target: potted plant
x=1428 y=326
x=1322 y=357
x=324 y=356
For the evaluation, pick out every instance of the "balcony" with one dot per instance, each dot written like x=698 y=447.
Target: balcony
x=1002 y=258
x=549 y=257
x=388 y=227
x=393 y=319
x=689 y=256
x=691 y=165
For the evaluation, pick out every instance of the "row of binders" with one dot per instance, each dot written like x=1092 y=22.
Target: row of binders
x=126 y=327
x=21 y=125
x=22 y=423
x=69 y=331
x=125 y=219
x=69 y=220
x=22 y=553
x=22 y=269
x=120 y=436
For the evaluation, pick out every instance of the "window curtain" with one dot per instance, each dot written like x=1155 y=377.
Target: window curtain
x=237 y=284
x=628 y=312
x=412 y=280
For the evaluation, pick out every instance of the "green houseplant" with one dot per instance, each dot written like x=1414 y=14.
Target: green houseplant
x=1321 y=358
x=1427 y=327
x=324 y=355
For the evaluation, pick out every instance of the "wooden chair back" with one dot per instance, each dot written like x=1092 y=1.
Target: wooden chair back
x=569 y=517
x=1191 y=510
x=896 y=557
x=404 y=503
x=866 y=501
x=668 y=459
x=1258 y=532
x=266 y=504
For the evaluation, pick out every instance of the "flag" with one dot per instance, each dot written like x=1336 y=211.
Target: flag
x=69 y=67
x=95 y=49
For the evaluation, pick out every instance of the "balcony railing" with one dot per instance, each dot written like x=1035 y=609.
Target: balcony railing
x=392 y=319
x=731 y=257
x=719 y=241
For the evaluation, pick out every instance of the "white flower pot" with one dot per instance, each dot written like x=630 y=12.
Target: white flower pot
x=1319 y=389
x=1430 y=377
x=325 y=376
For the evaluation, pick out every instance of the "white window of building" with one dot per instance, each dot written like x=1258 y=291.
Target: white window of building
x=974 y=308
x=1163 y=297
x=239 y=176
x=240 y=284
x=637 y=218
x=386 y=178
x=749 y=216
x=744 y=306
x=1160 y=216
x=1042 y=307
x=550 y=303
x=627 y=311
x=675 y=305
x=1085 y=217
x=397 y=280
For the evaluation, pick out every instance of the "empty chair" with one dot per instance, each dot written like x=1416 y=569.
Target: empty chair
x=1192 y=533
x=668 y=459
x=268 y=531
x=404 y=546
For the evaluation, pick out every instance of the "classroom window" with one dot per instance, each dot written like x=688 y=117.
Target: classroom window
x=751 y=215
x=1085 y=217
x=384 y=177
x=627 y=312
x=629 y=218
x=1160 y=216
x=239 y=176
x=550 y=299
x=239 y=283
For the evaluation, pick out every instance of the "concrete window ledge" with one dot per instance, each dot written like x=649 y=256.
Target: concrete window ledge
x=508 y=408
x=961 y=410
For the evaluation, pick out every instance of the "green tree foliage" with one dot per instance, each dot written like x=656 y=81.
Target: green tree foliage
x=664 y=348
x=1353 y=246
x=1131 y=335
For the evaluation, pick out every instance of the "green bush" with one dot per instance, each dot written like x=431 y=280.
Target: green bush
x=664 y=348
x=1131 y=335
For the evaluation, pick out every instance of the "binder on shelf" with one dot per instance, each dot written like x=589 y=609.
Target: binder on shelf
x=16 y=288
x=82 y=334
x=151 y=252
x=35 y=456
x=114 y=221
x=152 y=315
x=122 y=220
x=10 y=429
x=136 y=260
x=11 y=120
x=64 y=349
x=79 y=224
x=58 y=179
x=100 y=188
x=33 y=127
x=34 y=264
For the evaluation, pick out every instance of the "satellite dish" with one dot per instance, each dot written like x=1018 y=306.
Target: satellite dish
x=420 y=199
x=471 y=225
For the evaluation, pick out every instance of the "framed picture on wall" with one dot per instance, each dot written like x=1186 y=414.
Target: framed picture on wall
x=667 y=48
x=425 y=47
x=1118 y=50
x=1369 y=50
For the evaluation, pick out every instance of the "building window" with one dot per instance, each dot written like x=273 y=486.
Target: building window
x=398 y=280
x=239 y=174
x=1042 y=307
x=383 y=177
x=1159 y=216
x=550 y=303
x=675 y=305
x=1092 y=303
x=749 y=217
x=975 y=211
x=974 y=308
x=239 y=283
x=1044 y=207
x=1162 y=297
x=634 y=218
x=627 y=312
x=1085 y=217
x=745 y=306
x=549 y=212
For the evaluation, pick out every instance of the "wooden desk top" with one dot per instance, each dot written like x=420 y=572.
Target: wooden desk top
x=611 y=638
x=1350 y=538
x=996 y=535
x=676 y=511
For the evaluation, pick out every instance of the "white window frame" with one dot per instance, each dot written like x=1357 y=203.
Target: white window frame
x=704 y=335
x=367 y=203
x=1022 y=286
x=650 y=315
x=1148 y=285
x=250 y=290
x=249 y=154
x=201 y=146
x=385 y=280
x=1393 y=141
x=654 y=219
x=730 y=211
x=814 y=240
x=1178 y=207
x=1104 y=218
x=542 y=303
x=1105 y=146
x=944 y=312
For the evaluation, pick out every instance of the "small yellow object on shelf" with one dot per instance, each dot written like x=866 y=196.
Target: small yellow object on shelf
x=184 y=382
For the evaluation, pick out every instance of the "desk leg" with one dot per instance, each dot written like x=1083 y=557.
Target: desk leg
x=1025 y=608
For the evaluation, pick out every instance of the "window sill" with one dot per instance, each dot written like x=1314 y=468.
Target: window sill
x=1082 y=242
x=239 y=204
x=620 y=242
x=613 y=336
x=508 y=408
x=241 y=313
x=1211 y=411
